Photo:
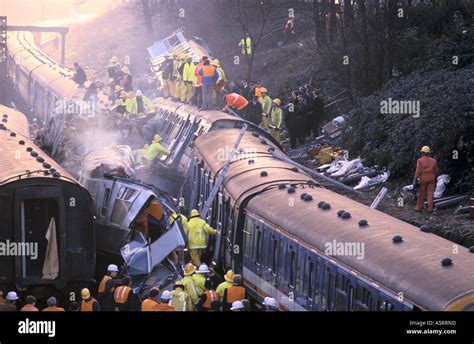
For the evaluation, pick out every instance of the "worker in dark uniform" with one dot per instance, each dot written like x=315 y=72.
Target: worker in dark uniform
x=254 y=111
x=80 y=76
x=124 y=296
x=236 y=292
x=107 y=288
x=9 y=305
x=316 y=116
x=425 y=177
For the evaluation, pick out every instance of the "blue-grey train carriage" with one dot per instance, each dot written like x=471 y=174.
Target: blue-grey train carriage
x=46 y=216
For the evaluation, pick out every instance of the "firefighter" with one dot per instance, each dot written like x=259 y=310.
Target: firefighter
x=207 y=297
x=110 y=69
x=189 y=283
x=89 y=304
x=150 y=302
x=221 y=82
x=246 y=44
x=184 y=224
x=53 y=305
x=140 y=105
x=123 y=295
x=200 y=277
x=180 y=300
x=236 y=292
x=154 y=150
x=275 y=120
x=166 y=69
x=107 y=288
x=198 y=228
x=266 y=102
x=189 y=79
x=228 y=279
x=127 y=80
x=425 y=177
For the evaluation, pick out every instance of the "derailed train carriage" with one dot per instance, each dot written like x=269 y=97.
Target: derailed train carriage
x=45 y=210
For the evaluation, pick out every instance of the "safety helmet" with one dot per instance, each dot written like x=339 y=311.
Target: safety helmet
x=189 y=269
x=229 y=276
x=12 y=296
x=182 y=56
x=118 y=88
x=237 y=305
x=264 y=90
x=85 y=293
x=114 y=59
x=426 y=149
x=157 y=138
x=216 y=63
x=165 y=295
x=123 y=94
x=112 y=268
x=196 y=59
x=194 y=213
x=203 y=269
x=270 y=302
x=125 y=69
x=139 y=93
x=277 y=101
x=52 y=301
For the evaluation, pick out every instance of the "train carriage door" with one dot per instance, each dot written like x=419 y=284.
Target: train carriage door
x=310 y=265
x=288 y=301
x=249 y=265
x=272 y=262
x=328 y=280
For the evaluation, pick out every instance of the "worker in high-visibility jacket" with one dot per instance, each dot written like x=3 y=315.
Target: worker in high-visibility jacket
x=140 y=105
x=266 y=102
x=228 y=280
x=275 y=120
x=236 y=292
x=154 y=150
x=180 y=300
x=107 y=288
x=89 y=304
x=198 y=228
x=53 y=305
x=178 y=66
x=246 y=44
x=123 y=295
x=30 y=304
x=425 y=177
x=200 y=277
x=189 y=283
x=218 y=92
x=164 y=306
x=150 y=302
x=184 y=223
x=189 y=79
x=207 y=297
x=236 y=102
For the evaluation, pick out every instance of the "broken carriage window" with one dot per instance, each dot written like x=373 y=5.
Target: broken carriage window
x=123 y=203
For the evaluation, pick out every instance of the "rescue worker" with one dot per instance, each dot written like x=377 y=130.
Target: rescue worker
x=254 y=111
x=200 y=278
x=271 y=305
x=184 y=224
x=246 y=44
x=166 y=69
x=275 y=120
x=207 y=297
x=118 y=75
x=209 y=76
x=30 y=304
x=140 y=105
x=237 y=102
x=180 y=300
x=189 y=79
x=110 y=69
x=266 y=102
x=123 y=296
x=178 y=75
x=197 y=96
x=164 y=306
x=52 y=305
x=236 y=292
x=246 y=303
x=10 y=302
x=122 y=104
x=89 y=304
x=316 y=116
x=189 y=283
x=155 y=150
x=150 y=302
x=198 y=228
x=127 y=80
x=221 y=82
x=425 y=176
x=228 y=280
x=79 y=76
x=107 y=288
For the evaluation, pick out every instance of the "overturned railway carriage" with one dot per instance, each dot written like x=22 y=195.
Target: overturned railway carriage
x=44 y=213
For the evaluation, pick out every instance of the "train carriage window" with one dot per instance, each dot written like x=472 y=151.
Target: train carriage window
x=298 y=267
x=316 y=283
x=308 y=278
x=248 y=237
x=122 y=205
x=363 y=299
x=273 y=255
x=341 y=292
x=290 y=265
x=257 y=244
x=385 y=305
x=105 y=204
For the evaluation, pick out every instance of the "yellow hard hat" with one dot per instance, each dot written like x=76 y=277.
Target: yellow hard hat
x=426 y=149
x=182 y=56
x=194 y=213
x=174 y=216
x=85 y=293
x=216 y=63
x=277 y=101
x=118 y=88
x=157 y=138
x=125 y=69
x=114 y=59
x=264 y=90
x=189 y=269
x=229 y=276
x=123 y=94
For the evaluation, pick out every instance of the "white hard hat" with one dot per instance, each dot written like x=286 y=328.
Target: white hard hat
x=270 y=302
x=166 y=295
x=265 y=300
x=237 y=305
x=139 y=93
x=203 y=269
x=12 y=296
x=112 y=268
x=196 y=59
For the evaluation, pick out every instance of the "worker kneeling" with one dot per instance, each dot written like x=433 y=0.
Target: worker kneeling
x=140 y=105
x=147 y=155
x=236 y=102
x=197 y=230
